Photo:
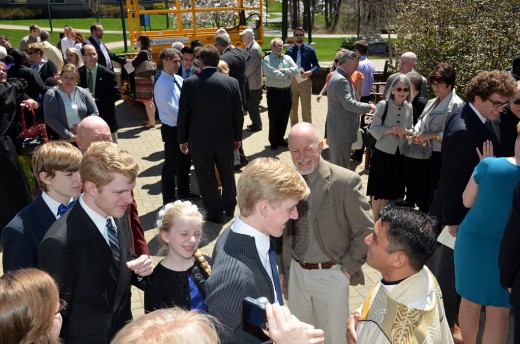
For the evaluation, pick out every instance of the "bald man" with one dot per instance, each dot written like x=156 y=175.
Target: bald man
x=94 y=129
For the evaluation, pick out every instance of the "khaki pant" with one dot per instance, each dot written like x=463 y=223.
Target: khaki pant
x=301 y=91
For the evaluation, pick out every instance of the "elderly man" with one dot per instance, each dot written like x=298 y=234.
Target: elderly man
x=323 y=249
x=466 y=132
x=407 y=63
x=103 y=87
x=405 y=304
x=278 y=70
x=176 y=167
x=68 y=40
x=209 y=127
x=33 y=37
x=343 y=109
x=305 y=58
x=87 y=249
x=254 y=79
x=244 y=258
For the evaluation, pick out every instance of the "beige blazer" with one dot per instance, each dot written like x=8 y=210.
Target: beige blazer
x=254 y=67
x=342 y=218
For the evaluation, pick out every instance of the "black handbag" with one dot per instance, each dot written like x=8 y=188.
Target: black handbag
x=414 y=150
x=369 y=141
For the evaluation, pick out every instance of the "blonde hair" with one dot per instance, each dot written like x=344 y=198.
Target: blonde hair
x=55 y=156
x=69 y=67
x=173 y=211
x=223 y=67
x=169 y=326
x=28 y=301
x=268 y=179
x=75 y=52
x=103 y=160
x=36 y=47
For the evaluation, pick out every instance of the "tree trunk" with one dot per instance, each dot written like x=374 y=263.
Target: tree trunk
x=295 y=11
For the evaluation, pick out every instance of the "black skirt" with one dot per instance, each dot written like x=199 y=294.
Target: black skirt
x=386 y=176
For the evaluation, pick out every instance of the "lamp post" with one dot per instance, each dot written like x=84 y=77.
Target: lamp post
x=49 y=14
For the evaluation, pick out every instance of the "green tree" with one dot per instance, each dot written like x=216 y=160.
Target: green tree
x=471 y=35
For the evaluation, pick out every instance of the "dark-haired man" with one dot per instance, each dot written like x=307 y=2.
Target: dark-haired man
x=405 y=305
x=209 y=125
x=187 y=67
x=105 y=56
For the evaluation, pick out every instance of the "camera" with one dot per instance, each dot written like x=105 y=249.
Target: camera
x=253 y=311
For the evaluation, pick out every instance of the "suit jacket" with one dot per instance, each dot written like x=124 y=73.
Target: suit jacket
x=101 y=58
x=210 y=113
x=194 y=70
x=505 y=131
x=254 y=67
x=35 y=85
x=509 y=256
x=343 y=109
x=21 y=236
x=341 y=218
x=96 y=288
x=236 y=60
x=463 y=134
x=106 y=93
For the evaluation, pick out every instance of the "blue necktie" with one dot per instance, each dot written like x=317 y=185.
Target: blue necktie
x=299 y=57
x=62 y=209
x=112 y=239
x=274 y=270
x=186 y=73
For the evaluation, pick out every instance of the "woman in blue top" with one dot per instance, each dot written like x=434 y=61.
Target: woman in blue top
x=477 y=276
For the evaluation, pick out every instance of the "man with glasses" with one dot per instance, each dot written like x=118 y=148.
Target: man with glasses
x=102 y=84
x=343 y=110
x=407 y=63
x=278 y=70
x=305 y=57
x=187 y=67
x=468 y=138
x=105 y=56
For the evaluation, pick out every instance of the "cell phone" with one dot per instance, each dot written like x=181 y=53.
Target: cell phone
x=253 y=312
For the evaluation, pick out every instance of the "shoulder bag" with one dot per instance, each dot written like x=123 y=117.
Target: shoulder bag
x=415 y=150
x=30 y=138
x=146 y=68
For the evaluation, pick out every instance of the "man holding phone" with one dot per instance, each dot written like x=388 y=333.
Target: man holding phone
x=244 y=259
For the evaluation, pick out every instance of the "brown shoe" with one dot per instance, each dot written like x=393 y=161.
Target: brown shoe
x=457 y=336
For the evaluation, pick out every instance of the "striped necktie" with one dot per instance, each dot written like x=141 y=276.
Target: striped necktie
x=113 y=239
x=299 y=57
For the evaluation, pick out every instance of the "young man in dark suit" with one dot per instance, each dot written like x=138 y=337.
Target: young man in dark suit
x=187 y=67
x=466 y=141
x=88 y=249
x=210 y=103
x=103 y=86
x=56 y=169
x=105 y=56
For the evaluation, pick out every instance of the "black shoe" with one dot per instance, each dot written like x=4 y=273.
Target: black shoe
x=274 y=147
x=404 y=204
x=216 y=218
x=192 y=197
x=356 y=157
x=284 y=143
x=253 y=128
x=242 y=164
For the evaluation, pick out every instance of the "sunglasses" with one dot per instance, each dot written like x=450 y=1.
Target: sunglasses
x=298 y=35
x=516 y=101
x=400 y=89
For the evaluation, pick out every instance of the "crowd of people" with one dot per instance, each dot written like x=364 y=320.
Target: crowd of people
x=302 y=231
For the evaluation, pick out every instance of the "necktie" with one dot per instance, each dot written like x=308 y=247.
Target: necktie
x=186 y=74
x=301 y=236
x=62 y=209
x=113 y=239
x=176 y=83
x=299 y=57
x=90 y=82
x=274 y=270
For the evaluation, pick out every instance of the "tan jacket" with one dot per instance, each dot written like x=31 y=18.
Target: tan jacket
x=254 y=67
x=341 y=217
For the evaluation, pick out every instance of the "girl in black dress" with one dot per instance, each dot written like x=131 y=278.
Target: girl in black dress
x=180 y=278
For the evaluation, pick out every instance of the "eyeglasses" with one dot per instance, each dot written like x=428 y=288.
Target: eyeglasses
x=277 y=45
x=438 y=84
x=90 y=55
x=400 y=89
x=63 y=306
x=497 y=104
x=516 y=101
x=298 y=35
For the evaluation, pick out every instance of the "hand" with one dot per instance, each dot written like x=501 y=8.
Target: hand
x=128 y=61
x=372 y=108
x=285 y=328
x=487 y=150
x=237 y=144
x=184 y=148
x=422 y=138
x=306 y=74
x=318 y=98
x=141 y=266
x=453 y=230
x=352 y=324
x=33 y=103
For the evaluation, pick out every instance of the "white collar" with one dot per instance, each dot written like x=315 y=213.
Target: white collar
x=262 y=241
x=482 y=118
x=99 y=221
x=52 y=203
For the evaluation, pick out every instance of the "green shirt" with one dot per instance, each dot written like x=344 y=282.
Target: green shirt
x=278 y=70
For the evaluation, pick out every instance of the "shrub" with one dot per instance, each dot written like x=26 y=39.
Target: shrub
x=16 y=12
x=159 y=6
x=348 y=43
